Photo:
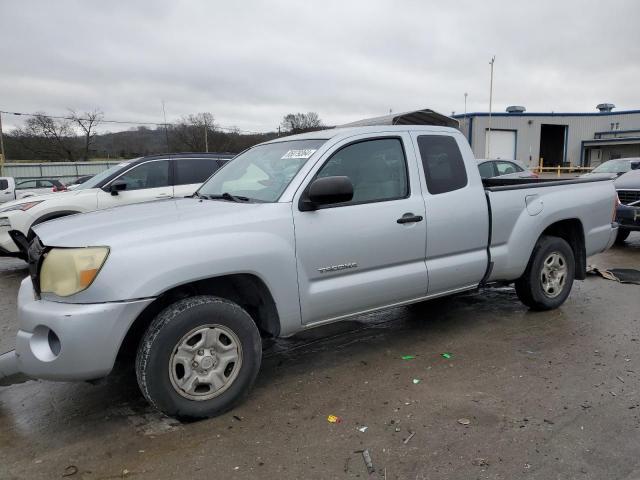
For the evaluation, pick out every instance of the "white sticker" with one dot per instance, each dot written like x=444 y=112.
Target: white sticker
x=306 y=153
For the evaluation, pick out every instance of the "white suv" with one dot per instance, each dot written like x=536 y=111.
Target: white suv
x=139 y=180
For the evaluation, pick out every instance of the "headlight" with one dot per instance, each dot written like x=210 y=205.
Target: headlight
x=4 y=222
x=21 y=206
x=66 y=271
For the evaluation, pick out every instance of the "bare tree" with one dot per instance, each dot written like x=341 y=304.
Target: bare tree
x=301 y=122
x=48 y=138
x=87 y=122
x=192 y=132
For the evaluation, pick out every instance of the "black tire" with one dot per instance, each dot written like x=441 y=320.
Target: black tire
x=529 y=287
x=161 y=339
x=622 y=235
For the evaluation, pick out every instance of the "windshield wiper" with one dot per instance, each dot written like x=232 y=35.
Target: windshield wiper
x=228 y=196
x=197 y=195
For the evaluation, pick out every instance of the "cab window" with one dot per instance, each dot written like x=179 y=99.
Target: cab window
x=153 y=174
x=377 y=169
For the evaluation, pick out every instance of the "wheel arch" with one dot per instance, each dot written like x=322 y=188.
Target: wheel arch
x=572 y=231
x=247 y=290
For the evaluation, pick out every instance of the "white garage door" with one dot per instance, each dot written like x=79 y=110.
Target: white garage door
x=503 y=145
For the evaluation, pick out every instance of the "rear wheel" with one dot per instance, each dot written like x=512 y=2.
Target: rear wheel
x=622 y=235
x=547 y=281
x=199 y=357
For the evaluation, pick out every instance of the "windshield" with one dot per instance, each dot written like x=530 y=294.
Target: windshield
x=261 y=173
x=95 y=180
x=613 y=166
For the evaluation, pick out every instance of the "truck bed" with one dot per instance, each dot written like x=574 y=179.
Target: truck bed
x=521 y=209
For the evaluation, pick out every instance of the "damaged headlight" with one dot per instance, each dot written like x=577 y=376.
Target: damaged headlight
x=67 y=271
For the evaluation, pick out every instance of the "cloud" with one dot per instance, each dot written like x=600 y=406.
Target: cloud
x=251 y=62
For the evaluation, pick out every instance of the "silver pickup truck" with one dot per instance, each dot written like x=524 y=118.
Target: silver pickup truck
x=293 y=233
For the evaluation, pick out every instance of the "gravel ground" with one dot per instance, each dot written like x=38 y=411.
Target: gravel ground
x=546 y=395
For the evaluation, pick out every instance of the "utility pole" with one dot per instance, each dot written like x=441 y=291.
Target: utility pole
x=493 y=59
x=1 y=147
x=465 y=114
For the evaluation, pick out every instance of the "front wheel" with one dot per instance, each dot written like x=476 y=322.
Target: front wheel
x=199 y=357
x=547 y=281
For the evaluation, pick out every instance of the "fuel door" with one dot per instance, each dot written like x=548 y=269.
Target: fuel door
x=534 y=204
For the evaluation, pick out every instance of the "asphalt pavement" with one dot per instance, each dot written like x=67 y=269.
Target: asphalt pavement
x=551 y=395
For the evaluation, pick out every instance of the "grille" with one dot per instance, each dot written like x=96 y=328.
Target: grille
x=628 y=196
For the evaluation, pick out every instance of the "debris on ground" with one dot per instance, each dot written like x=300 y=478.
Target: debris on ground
x=237 y=418
x=620 y=378
x=362 y=429
x=70 y=471
x=622 y=275
x=416 y=381
x=446 y=355
x=408 y=357
x=368 y=462
x=334 y=419
x=480 y=462
x=464 y=421
x=408 y=439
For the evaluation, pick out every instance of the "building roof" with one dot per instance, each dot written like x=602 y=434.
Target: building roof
x=547 y=114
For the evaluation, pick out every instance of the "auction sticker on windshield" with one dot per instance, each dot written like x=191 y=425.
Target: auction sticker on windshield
x=305 y=153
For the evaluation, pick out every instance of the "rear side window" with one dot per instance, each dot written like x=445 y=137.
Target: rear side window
x=505 y=168
x=377 y=169
x=4 y=184
x=26 y=184
x=194 y=170
x=443 y=164
x=486 y=170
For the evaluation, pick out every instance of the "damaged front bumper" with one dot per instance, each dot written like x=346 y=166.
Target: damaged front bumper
x=66 y=341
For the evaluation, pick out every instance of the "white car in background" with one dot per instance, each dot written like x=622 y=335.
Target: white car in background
x=503 y=169
x=139 y=180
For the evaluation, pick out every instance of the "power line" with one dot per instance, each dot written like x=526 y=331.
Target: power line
x=122 y=122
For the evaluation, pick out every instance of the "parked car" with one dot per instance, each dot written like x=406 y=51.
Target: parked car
x=12 y=189
x=293 y=233
x=139 y=180
x=617 y=167
x=79 y=181
x=628 y=211
x=504 y=169
x=7 y=189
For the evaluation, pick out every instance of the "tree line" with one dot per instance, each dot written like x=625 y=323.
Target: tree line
x=75 y=137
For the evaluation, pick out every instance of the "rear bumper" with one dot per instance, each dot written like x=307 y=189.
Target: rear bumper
x=63 y=341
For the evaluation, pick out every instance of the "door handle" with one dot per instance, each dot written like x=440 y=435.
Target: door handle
x=409 y=218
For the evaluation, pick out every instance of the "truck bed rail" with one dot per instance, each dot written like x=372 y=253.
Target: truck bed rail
x=501 y=184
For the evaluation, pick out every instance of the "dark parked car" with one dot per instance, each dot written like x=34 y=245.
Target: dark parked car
x=628 y=212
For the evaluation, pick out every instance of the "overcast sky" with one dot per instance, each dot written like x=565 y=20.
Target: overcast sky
x=249 y=62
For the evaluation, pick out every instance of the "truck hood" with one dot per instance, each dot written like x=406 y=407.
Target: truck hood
x=630 y=180
x=150 y=222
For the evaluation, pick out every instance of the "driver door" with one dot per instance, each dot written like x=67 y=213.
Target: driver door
x=145 y=182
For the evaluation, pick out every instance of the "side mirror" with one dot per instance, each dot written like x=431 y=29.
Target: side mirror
x=635 y=165
x=117 y=186
x=327 y=191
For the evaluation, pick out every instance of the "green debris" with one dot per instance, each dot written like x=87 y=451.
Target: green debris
x=408 y=357
x=446 y=355
x=416 y=381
